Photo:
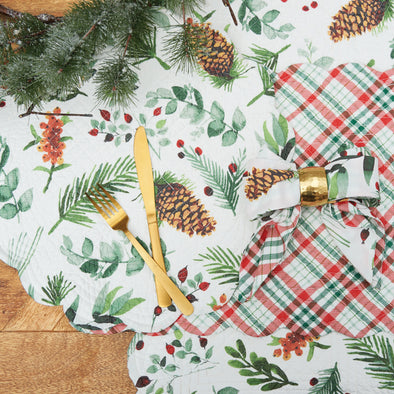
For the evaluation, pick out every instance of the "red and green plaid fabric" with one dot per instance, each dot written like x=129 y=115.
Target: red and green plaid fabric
x=315 y=289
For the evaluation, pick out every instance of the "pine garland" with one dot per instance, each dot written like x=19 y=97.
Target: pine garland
x=41 y=61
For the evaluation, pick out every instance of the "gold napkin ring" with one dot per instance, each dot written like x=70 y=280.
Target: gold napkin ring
x=313 y=186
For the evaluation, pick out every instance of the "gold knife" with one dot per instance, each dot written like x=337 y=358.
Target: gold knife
x=145 y=178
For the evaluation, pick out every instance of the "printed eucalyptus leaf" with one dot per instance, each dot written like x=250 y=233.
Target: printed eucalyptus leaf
x=164 y=142
x=161 y=123
x=229 y=138
x=90 y=266
x=242 y=12
x=324 y=62
x=287 y=27
x=269 y=32
x=152 y=103
x=368 y=166
x=181 y=354
x=116 y=115
x=107 y=252
x=8 y=211
x=4 y=156
x=179 y=92
x=255 y=5
x=198 y=98
x=171 y=107
x=25 y=200
x=239 y=120
x=110 y=270
x=215 y=128
x=170 y=368
x=217 y=111
x=228 y=390
x=192 y=112
x=152 y=369
x=87 y=247
x=255 y=25
x=188 y=345
x=5 y=193
x=342 y=182
x=195 y=360
x=270 y=16
x=164 y=93
x=12 y=179
x=134 y=266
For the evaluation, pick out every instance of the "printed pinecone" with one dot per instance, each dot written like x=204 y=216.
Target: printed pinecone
x=357 y=17
x=260 y=181
x=214 y=53
x=181 y=209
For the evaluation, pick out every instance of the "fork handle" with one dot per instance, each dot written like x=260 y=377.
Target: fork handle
x=172 y=289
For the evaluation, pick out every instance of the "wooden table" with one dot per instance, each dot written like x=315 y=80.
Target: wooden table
x=39 y=351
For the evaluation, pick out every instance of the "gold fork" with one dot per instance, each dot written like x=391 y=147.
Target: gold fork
x=117 y=218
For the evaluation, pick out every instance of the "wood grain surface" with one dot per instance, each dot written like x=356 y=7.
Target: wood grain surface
x=35 y=7
x=41 y=353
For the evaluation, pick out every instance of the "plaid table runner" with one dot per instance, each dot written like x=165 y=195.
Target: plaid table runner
x=315 y=290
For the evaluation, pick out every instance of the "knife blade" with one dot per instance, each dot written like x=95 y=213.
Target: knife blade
x=143 y=165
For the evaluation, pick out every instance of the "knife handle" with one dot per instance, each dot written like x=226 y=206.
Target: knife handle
x=179 y=298
x=163 y=299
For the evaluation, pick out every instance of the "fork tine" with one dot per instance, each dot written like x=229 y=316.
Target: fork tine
x=105 y=204
x=117 y=205
x=101 y=211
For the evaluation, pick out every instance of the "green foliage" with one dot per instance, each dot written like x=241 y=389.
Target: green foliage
x=20 y=252
x=329 y=382
x=308 y=53
x=57 y=289
x=257 y=370
x=224 y=182
x=52 y=60
x=377 y=352
x=221 y=264
x=74 y=206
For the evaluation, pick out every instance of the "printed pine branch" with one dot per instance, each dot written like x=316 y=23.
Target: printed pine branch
x=329 y=382
x=221 y=264
x=377 y=352
x=57 y=289
x=74 y=206
x=224 y=183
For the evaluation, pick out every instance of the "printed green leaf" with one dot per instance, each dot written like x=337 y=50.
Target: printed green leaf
x=215 y=128
x=118 y=303
x=134 y=266
x=279 y=133
x=171 y=107
x=151 y=103
x=188 y=345
x=4 y=156
x=90 y=266
x=12 y=179
x=272 y=386
x=242 y=12
x=269 y=32
x=342 y=182
x=195 y=360
x=109 y=298
x=71 y=311
x=241 y=348
x=8 y=211
x=217 y=112
x=110 y=270
x=25 y=200
x=42 y=168
x=328 y=382
x=333 y=189
x=179 y=92
x=324 y=62
x=107 y=252
x=270 y=16
x=161 y=123
x=239 y=120
x=181 y=354
x=368 y=165
x=228 y=390
x=170 y=368
x=272 y=144
x=236 y=364
x=232 y=352
x=5 y=193
x=87 y=247
x=198 y=98
x=152 y=369
x=229 y=138
x=255 y=25
x=192 y=112
x=98 y=307
x=129 y=305
x=284 y=126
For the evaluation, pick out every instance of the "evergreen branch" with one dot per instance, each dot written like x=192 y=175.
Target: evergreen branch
x=329 y=382
x=57 y=289
x=378 y=352
x=224 y=183
x=222 y=263
x=74 y=206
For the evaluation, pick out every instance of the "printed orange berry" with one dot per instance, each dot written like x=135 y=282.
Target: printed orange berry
x=223 y=298
x=277 y=352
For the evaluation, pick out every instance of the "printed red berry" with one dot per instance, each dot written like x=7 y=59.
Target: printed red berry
x=2 y=103
x=93 y=132
x=108 y=137
x=203 y=342
x=343 y=153
x=128 y=118
x=232 y=168
x=245 y=174
x=314 y=4
x=181 y=155
x=198 y=151
x=364 y=235
x=208 y=191
x=157 y=311
x=180 y=143
x=139 y=345
x=359 y=153
x=305 y=8
x=283 y=1
x=157 y=111
x=142 y=381
x=314 y=381
x=191 y=297
x=203 y=286
x=377 y=186
x=182 y=274
x=105 y=114
x=170 y=349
